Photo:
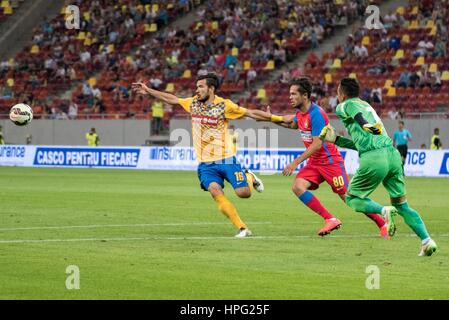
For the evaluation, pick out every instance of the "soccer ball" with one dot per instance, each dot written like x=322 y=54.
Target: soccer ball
x=21 y=114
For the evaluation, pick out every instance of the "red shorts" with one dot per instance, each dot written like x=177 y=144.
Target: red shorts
x=334 y=174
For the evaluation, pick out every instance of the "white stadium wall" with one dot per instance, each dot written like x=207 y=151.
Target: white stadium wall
x=136 y=132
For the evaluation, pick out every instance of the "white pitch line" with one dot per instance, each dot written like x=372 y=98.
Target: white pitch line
x=157 y=238
x=95 y=226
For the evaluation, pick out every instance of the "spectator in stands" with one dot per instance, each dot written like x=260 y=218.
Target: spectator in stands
x=296 y=72
x=379 y=68
x=73 y=111
x=382 y=47
x=314 y=39
x=85 y=56
x=4 y=66
x=348 y=48
x=155 y=82
x=424 y=77
x=285 y=77
x=393 y=114
x=99 y=106
x=442 y=32
x=390 y=19
x=230 y=60
x=60 y=115
x=423 y=146
x=86 y=91
x=6 y=93
x=424 y=46
x=435 y=80
x=404 y=79
x=440 y=49
x=96 y=93
x=203 y=70
x=34 y=81
x=366 y=94
x=360 y=51
x=50 y=66
x=401 y=113
x=312 y=60
x=185 y=5
x=435 y=142
x=250 y=77
x=232 y=75
x=414 y=79
x=92 y=138
x=394 y=43
x=333 y=102
x=376 y=95
x=279 y=55
x=157 y=109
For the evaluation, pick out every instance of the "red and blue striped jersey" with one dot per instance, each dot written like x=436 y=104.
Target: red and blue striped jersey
x=310 y=124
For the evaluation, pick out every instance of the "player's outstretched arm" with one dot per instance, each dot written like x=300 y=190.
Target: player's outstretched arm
x=283 y=121
x=141 y=88
x=258 y=115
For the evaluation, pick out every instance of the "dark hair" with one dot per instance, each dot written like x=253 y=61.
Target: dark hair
x=435 y=130
x=212 y=80
x=350 y=87
x=402 y=122
x=304 y=85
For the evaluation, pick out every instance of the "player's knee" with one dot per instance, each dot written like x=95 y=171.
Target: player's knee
x=298 y=189
x=215 y=189
x=243 y=193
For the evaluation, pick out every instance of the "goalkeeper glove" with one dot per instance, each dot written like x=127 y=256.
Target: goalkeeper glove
x=328 y=134
x=375 y=129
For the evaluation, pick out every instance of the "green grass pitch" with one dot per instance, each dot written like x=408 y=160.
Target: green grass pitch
x=156 y=235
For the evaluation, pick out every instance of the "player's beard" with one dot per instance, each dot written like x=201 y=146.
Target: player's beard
x=299 y=105
x=204 y=99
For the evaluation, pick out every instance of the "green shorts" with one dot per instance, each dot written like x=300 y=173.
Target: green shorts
x=376 y=166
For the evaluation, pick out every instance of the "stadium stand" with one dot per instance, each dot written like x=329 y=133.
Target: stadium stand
x=58 y=57
x=238 y=42
x=402 y=67
x=253 y=38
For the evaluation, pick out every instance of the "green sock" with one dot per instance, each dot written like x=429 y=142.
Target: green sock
x=413 y=220
x=363 y=205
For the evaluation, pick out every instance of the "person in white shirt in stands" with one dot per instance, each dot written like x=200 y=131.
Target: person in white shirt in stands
x=393 y=114
x=96 y=93
x=333 y=102
x=424 y=46
x=73 y=111
x=360 y=51
x=389 y=20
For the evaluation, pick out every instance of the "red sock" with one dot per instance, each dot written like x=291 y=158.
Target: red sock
x=377 y=219
x=313 y=203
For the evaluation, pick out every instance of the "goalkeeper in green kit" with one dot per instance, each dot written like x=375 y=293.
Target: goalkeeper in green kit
x=380 y=162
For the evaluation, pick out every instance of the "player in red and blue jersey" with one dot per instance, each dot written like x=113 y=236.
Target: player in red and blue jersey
x=325 y=162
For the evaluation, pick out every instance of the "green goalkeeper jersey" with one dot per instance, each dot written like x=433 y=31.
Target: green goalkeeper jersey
x=363 y=140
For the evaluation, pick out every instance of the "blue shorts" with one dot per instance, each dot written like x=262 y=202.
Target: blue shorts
x=227 y=169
